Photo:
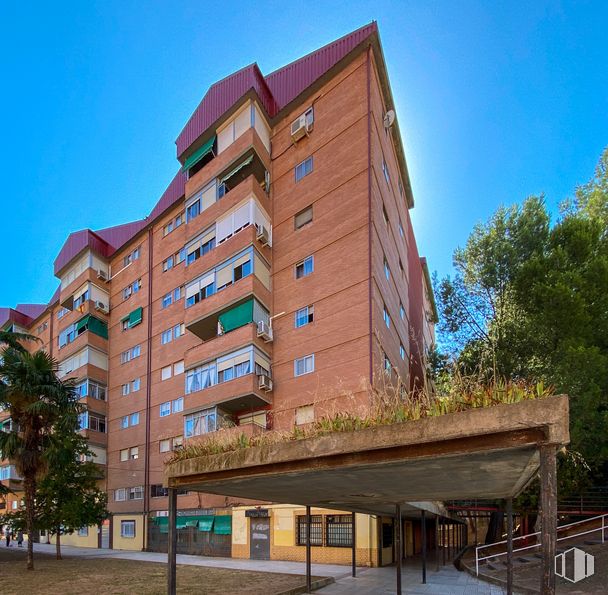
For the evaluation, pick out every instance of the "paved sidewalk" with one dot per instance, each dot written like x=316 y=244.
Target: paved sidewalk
x=333 y=570
x=382 y=581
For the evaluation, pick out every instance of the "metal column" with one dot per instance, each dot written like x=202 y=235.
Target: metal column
x=509 y=546
x=423 y=528
x=548 y=515
x=398 y=545
x=308 y=572
x=354 y=533
x=437 y=543
x=172 y=547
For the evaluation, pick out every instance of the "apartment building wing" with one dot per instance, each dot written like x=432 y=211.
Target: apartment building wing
x=276 y=278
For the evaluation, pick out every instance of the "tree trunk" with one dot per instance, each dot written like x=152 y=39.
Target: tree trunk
x=58 y=543
x=29 y=485
x=495 y=527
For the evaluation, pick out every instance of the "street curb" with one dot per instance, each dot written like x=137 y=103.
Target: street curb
x=316 y=585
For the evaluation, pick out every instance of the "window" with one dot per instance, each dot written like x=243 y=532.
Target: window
x=120 y=495
x=178 y=442
x=201 y=377
x=177 y=405
x=385 y=171
x=384 y=214
x=129 y=420
x=316 y=529
x=202 y=422
x=179 y=256
x=42 y=327
x=165 y=409
x=304 y=365
x=178 y=368
x=166 y=337
x=134 y=419
x=200 y=246
x=387 y=270
x=165 y=373
x=127 y=529
x=339 y=530
x=129 y=258
x=173 y=224
x=61 y=313
x=164 y=445
x=387 y=364
x=401 y=233
x=386 y=316
x=179 y=330
x=133 y=319
x=135 y=493
x=136 y=384
x=91 y=388
x=83 y=532
x=168 y=264
x=304 y=316
x=401 y=311
x=305 y=415
x=158 y=491
x=93 y=421
x=303 y=218
x=303 y=169
x=167 y=300
x=134 y=453
x=126 y=389
x=129 y=354
x=124 y=422
x=400 y=184
x=401 y=351
x=124 y=455
x=305 y=268
x=131 y=288
x=401 y=267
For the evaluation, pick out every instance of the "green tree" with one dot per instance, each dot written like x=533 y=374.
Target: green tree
x=39 y=405
x=530 y=300
x=68 y=497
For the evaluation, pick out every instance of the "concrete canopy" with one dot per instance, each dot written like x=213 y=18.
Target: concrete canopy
x=482 y=453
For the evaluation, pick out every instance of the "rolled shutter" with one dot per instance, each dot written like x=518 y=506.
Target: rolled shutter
x=241 y=216
x=223 y=229
x=223 y=276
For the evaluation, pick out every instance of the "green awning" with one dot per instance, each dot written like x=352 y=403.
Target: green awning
x=205 y=523
x=191 y=523
x=237 y=169
x=223 y=525
x=181 y=522
x=82 y=323
x=199 y=154
x=99 y=327
x=237 y=316
x=136 y=317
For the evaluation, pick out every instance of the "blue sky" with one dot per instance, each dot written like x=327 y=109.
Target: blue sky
x=496 y=101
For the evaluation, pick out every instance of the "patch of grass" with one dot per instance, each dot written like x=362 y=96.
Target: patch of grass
x=389 y=403
x=111 y=576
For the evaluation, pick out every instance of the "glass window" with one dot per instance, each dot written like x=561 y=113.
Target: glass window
x=124 y=422
x=124 y=455
x=201 y=422
x=165 y=337
x=127 y=529
x=401 y=233
x=402 y=351
x=126 y=389
x=167 y=300
x=165 y=373
x=303 y=169
x=136 y=384
x=304 y=365
x=134 y=419
x=387 y=317
x=401 y=311
x=165 y=409
x=385 y=171
x=387 y=270
x=164 y=445
x=305 y=268
x=304 y=316
x=178 y=368
x=303 y=217
x=178 y=405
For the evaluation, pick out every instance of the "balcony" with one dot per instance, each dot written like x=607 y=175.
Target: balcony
x=248 y=141
x=249 y=429
x=237 y=396
x=66 y=296
x=201 y=318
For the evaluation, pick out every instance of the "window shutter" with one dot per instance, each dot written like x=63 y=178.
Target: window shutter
x=135 y=317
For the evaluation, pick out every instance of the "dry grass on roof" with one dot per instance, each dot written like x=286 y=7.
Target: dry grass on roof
x=388 y=403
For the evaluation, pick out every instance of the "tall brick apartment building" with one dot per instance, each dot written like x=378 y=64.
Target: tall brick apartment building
x=275 y=278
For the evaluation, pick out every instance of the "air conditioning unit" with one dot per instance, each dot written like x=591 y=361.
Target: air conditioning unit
x=263 y=236
x=100 y=306
x=101 y=274
x=265 y=382
x=264 y=331
x=302 y=126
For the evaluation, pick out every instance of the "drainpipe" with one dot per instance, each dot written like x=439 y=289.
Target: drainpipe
x=369 y=213
x=148 y=395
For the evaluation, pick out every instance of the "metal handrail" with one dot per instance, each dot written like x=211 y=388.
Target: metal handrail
x=479 y=559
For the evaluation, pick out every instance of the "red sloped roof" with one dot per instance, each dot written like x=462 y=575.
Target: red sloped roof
x=288 y=82
x=275 y=90
x=220 y=97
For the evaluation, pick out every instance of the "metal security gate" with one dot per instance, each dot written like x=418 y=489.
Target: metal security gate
x=259 y=539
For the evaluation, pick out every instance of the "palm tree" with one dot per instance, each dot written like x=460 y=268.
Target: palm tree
x=39 y=404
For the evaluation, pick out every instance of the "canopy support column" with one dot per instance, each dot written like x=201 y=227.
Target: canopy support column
x=172 y=547
x=308 y=571
x=398 y=547
x=509 y=546
x=354 y=533
x=548 y=516
x=423 y=528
